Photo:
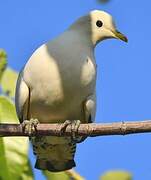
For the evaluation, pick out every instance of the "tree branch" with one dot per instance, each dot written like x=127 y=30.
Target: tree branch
x=94 y=129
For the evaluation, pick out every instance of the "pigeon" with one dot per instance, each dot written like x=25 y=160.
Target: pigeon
x=58 y=85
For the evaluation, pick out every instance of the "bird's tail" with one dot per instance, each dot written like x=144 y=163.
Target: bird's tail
x=54 y=153
x=54 y=166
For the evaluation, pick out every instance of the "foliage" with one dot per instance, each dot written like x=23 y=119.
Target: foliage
x=3 y=62
x=74 y=175
x=116 y=175
x=8 y=76
x=14 y=163
x=56 y=176
x=8 y=82
x=66 y=175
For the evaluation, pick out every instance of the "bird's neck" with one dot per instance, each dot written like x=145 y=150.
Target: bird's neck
x=83 y=36
x=83 y=40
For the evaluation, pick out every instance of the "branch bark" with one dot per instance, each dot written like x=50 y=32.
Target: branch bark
x=94 y=129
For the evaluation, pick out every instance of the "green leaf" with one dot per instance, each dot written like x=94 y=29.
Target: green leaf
x=14 y=163
x=56 y=176
x=27 y=173
x=64 y=175
x=115 y=175
x=8 y=82
x=3 y=62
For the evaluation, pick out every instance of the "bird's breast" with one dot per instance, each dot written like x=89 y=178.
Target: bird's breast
x=59 y=84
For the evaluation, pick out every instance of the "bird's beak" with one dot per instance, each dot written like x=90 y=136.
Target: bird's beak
x=120 y=36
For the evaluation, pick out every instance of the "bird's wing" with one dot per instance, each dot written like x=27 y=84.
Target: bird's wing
x=22 y=98
x=90 y=108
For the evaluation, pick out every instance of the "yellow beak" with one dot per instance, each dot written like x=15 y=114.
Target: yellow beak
x=120 y=36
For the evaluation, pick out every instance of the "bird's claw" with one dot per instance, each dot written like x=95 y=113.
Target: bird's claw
x=30 y=126
x=64 y=126
x=74 y=124
x=74 y=129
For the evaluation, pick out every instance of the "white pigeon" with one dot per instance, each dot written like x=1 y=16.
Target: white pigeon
x=57 y=85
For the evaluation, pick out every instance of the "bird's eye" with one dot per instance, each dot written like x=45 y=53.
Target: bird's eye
x=99 y=23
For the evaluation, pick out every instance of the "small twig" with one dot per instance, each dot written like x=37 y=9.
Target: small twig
x=119 y=128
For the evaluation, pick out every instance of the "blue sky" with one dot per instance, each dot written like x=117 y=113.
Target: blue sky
x=123 y=79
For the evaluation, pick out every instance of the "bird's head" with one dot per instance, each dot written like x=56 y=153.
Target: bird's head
x=99 y=25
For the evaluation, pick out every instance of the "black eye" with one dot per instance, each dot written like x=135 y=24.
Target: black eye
x=99 y=23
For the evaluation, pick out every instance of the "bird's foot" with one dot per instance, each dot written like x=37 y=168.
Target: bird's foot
x=30 y=126
x=74 y=129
